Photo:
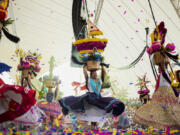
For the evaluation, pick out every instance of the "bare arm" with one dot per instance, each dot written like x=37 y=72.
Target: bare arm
x=85 y=75
x=56 y=92
x=85 y=72
x=103 y=73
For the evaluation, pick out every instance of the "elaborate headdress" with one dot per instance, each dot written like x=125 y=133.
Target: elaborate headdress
x=142 y=84
x=91 y=48
x=50 y=80
x=29 y=60
x=159 y=51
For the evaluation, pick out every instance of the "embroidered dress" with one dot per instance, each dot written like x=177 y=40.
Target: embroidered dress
x=18 y=104
x=163 y=111
x=51 y=108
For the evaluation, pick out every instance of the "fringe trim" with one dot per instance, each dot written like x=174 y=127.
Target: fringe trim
x=158 y=124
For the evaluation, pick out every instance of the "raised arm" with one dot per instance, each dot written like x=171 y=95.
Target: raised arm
x=85 y=72
x=86 y=75
x=103 y=73
x=56 y=92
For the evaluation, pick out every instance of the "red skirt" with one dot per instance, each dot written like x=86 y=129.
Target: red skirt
x=15 y=101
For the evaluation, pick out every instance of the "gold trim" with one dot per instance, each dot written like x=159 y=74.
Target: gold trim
x=95 y=33
x=90 y=40
x=87 y=51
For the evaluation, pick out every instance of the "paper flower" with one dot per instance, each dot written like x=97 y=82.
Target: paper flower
x=25 y=65
x=149 y=50
x=37 y=68
x=170 y=47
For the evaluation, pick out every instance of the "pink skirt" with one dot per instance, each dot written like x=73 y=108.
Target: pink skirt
x=50 y=108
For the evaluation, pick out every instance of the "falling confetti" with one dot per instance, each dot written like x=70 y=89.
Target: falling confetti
x=125 y=12
x=147 y=21
x=138 y=19
x=119 y=6
x=137 y=31
x=132 y=0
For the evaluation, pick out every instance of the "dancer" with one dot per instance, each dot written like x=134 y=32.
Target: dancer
x=18 y=104
x=92 y=99
x=163 y=110
x=51 y=107
x=29 y=66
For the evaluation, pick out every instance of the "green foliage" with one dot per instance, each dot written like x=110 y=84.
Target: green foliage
x=120 y=93
x=107 y=83
x=6 y=23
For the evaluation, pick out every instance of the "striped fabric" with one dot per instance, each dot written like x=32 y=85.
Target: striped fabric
x=50 y=108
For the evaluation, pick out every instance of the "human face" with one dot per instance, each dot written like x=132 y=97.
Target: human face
x=94 y=75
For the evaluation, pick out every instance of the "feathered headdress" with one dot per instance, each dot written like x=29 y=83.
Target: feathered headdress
x=158 y=41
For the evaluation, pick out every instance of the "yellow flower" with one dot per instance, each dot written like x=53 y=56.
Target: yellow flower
x=175 y=84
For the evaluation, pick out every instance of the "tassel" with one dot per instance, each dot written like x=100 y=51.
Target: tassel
x=10 y=36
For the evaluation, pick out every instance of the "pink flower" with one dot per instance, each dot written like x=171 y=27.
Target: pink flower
x=170 y=47
x=19 y=67
x=149 y=50
x=37 y=69
x=26 y=65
